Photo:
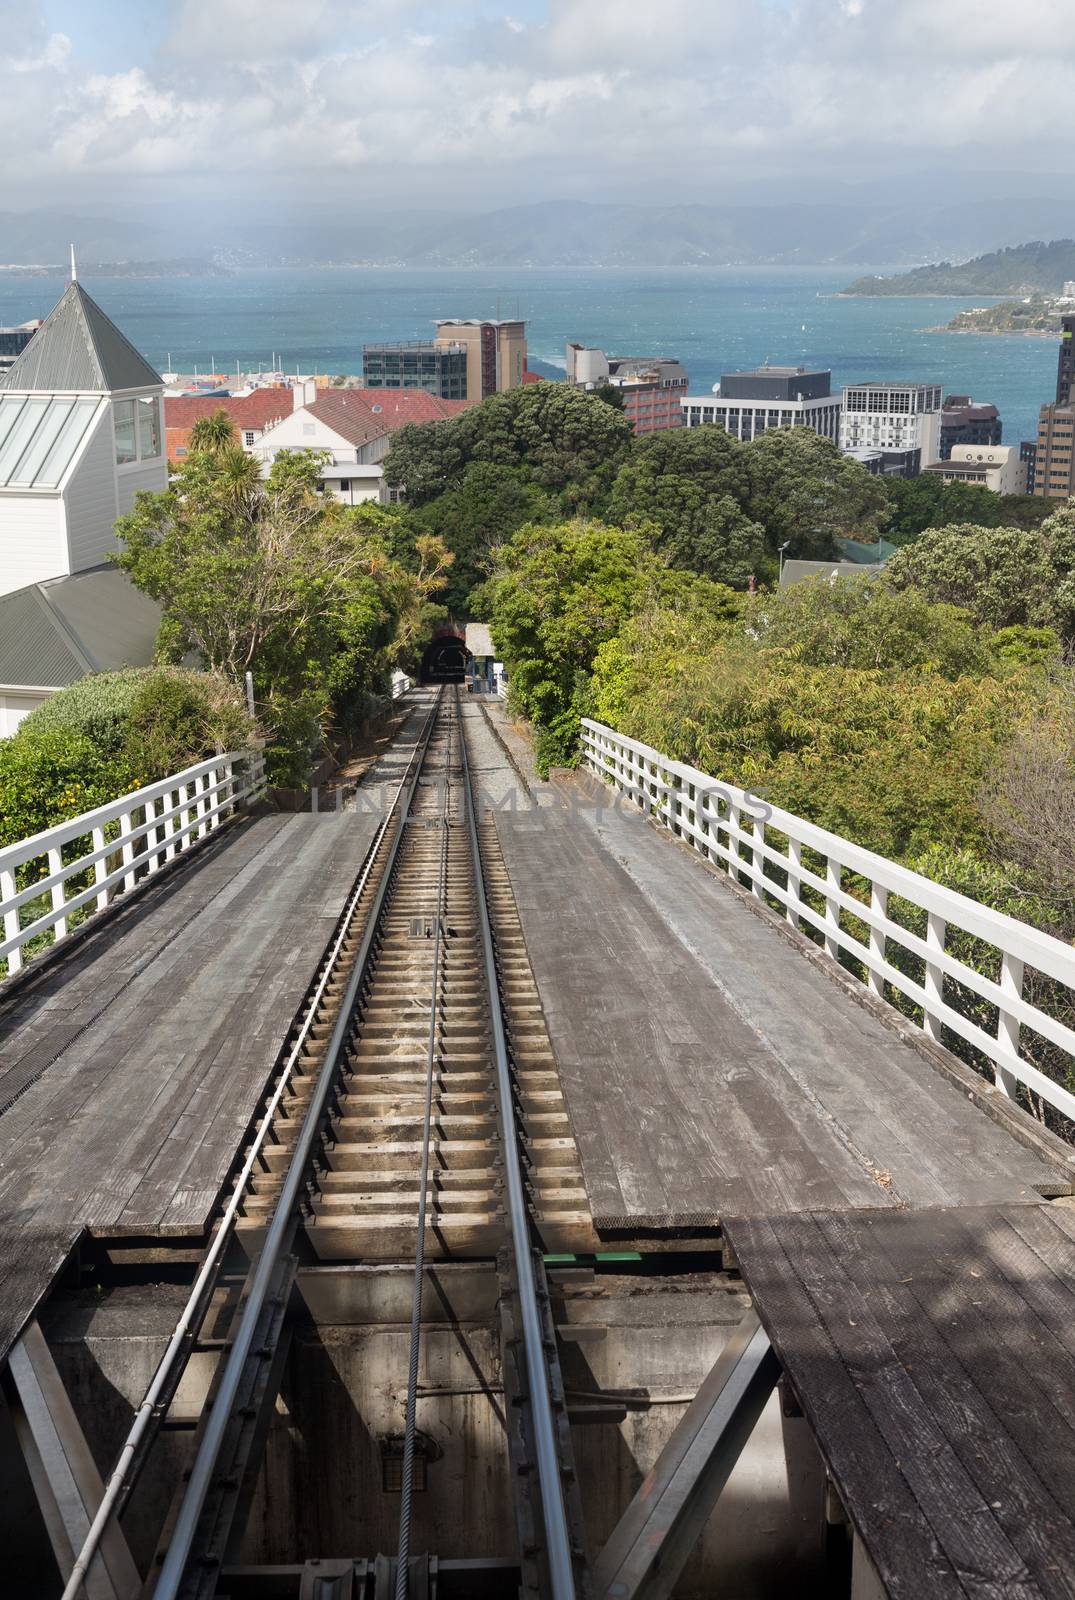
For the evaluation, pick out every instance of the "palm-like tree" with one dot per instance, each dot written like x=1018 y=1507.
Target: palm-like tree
x=213 y=433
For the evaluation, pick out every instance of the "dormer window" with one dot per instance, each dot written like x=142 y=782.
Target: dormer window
x=138 y=430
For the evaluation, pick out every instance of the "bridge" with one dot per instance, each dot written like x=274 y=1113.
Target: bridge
x=475 y=1185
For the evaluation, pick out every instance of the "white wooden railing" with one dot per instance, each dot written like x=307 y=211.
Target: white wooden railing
x=130 y=838
x=401 y=684
x=763 y=848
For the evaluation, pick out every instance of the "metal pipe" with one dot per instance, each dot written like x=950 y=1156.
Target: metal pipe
x=201 y=1475
x=554 y=1511
x=206 y=1277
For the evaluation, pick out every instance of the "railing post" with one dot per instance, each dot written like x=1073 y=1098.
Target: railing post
x=834 y=878
x=1011 y=981
x=936 y=928
x=58 y=897
x=168 y=800
x=733 y=841
x=11 y=918
x=127 y=849
x=756 y=857
x=878 y=939
x=795 y=884
x=100 y=866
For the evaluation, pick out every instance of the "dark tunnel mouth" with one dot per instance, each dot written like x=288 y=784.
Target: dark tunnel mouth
x=445 y=660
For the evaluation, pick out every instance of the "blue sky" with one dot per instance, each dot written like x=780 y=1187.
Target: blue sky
x=211 y=104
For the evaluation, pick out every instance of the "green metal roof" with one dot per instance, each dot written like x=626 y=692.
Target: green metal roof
x=53 y=633
x=77 y=349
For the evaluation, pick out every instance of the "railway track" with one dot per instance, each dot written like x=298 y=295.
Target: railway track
x=418 y=1118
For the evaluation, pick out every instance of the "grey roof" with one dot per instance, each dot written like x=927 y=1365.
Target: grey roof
x=78 y=349
x=796 y=571
x=56 y=632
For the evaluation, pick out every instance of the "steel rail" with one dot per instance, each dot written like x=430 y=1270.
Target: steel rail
x=178 y=1553
x=553 y=1508
x=403 y=1548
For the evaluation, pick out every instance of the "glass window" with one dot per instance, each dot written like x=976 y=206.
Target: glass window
x=19 y=436
x=149 y=429
x=124 y=423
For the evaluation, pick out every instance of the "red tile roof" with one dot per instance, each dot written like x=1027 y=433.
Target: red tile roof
x=532 y=377
x=256 y=410
x=359 y=415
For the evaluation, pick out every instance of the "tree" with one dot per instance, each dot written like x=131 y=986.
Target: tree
x=1003 y=576
x=803 y=489
x=567 y=441
x=926 y=502
x=212 y=433
x=692 y=485
x=273 y=578
x=473 y=519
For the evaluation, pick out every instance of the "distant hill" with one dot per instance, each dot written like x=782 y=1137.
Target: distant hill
x=573 y=233
x=1036 y=268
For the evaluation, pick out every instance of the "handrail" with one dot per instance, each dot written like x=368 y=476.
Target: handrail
x=139 y=832
x=711 y=816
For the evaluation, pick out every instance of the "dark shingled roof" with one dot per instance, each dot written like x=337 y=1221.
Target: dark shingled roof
x=77 y=348
x=53 y=633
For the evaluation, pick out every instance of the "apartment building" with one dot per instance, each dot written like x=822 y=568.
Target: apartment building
x=651 y=386
x=964 y=422
x=893 y=417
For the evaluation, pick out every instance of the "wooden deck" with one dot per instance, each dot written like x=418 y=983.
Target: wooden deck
x=708 y=1067
x=933 y=1353
x=130 y=1070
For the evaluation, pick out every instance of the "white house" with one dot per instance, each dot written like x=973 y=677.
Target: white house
x=990 y=466
x=347 y=435
x=81 y=432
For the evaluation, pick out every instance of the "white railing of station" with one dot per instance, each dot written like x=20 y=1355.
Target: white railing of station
x=401 y=685
x=736 y=830
x=130 y=839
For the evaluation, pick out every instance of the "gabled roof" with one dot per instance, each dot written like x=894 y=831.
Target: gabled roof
x=55 y=632
x=78 y=349
x=359 y=415
x=257 y=410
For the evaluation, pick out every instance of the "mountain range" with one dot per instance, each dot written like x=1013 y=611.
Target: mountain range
x=548 y=234
x=1036 y=268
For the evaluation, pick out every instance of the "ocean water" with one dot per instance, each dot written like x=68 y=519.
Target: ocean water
x=712 y=319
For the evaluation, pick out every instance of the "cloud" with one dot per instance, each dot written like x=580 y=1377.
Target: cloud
x=411 y=98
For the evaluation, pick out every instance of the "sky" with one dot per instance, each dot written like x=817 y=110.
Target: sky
x=239 y=107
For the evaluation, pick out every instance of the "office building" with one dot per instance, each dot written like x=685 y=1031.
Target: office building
x=439 y=369
x=1054 y=459
x=1028 y=455
x=893 y=417
x=495 y=353
x=651 y=386
x=997 y=467
x=750 y=403
x=13 y=342
x=963 y=422
x=1065 y=366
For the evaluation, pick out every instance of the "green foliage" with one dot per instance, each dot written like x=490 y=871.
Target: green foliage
x=109 y=734
x=1005 y=577
x=486 y=507
x=569 y=443
x=269 y=576
x=804 y=490
x=925 y=502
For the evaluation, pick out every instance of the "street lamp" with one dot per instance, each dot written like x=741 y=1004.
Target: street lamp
x=780 y=575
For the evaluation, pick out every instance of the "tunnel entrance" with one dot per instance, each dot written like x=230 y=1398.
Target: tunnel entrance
x=445 y=659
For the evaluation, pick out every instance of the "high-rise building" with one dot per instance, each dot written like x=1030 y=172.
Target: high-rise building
x=963 y=422
x=13 y=342
x=1065 y=366
x=750 y=403
x=904 y=418
x=495 y=353
x=651 y=387
x=439 y=369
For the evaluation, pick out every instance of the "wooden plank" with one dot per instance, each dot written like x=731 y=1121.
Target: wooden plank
x=32 y=1256
x=952 y=1331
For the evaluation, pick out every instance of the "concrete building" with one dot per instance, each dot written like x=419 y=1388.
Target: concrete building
x=495 y=353
x=1054 y=457
x=250 y=414
x=13 y=342
x=439 y=369
x=1065 y=366
x=963 y=422
x=750 y=403
x=997 y=467
x=81 y=432
x=893 y=417
x=651 y=386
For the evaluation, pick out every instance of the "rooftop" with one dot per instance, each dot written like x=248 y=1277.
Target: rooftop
x=53 y=633
x=255 y=410
x=78 y=350
x=768 y=371
x=359 y=415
